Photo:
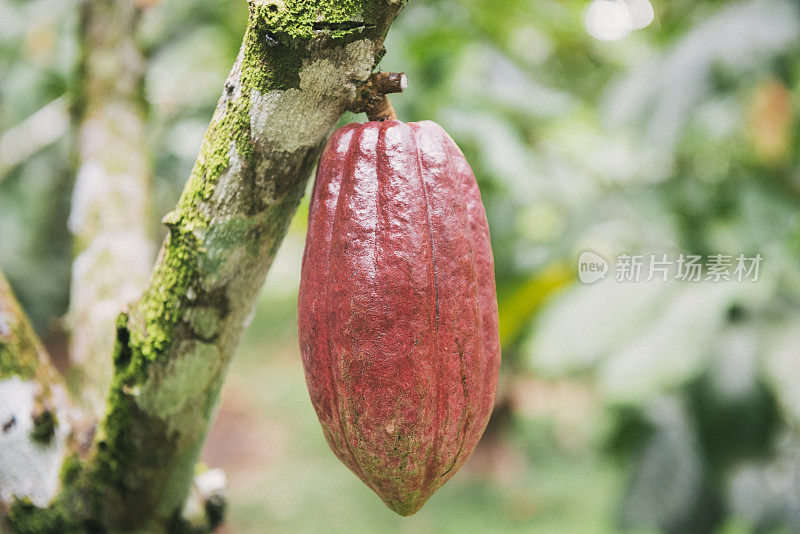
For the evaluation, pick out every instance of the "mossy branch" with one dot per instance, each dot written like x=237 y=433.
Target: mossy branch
x=301 y=65
x=21 y=352
x=36 y=419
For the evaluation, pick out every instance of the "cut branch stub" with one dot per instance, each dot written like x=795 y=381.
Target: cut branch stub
x=389 y=82
x=373 y=99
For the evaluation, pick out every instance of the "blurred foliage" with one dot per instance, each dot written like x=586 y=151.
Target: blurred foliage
x=670 y=407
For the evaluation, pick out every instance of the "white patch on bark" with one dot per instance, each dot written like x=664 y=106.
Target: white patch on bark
x=27 y=468
x=299 y=118
x=95 y=188
x=5 y=328
x=207 y=485
x=99 y=264
x=211 y=482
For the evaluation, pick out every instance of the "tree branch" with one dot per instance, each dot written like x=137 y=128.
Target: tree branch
x=36 y=419
x=301 y=64
x=37 y=131
x=373 y=100
x=109 y=214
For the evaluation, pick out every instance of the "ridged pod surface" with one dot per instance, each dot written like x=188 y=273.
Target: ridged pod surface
x=397 y=309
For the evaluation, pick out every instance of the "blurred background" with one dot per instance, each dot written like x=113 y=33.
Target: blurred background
x=617 y=126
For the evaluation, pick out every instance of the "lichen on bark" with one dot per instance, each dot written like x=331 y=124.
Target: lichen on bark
x=109 y=216
x=301 y=64
x=21 y=353
x=35 y=415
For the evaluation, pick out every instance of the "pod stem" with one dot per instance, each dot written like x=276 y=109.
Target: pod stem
x=373 y=100
x=381 y=110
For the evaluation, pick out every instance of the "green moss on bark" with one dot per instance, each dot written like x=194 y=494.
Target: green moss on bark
x=303 y=19
x=222 y=237
x=17 y=360
x=26 y=518
x=44 y=427
x=275 y=45
x=176 y=275
x=19 y=349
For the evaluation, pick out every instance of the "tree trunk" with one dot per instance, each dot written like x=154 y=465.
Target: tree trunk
x=109 y=215
x=300 y=66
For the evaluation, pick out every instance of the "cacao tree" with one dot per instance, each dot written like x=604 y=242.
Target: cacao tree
x=680 y=137
x=71 y=463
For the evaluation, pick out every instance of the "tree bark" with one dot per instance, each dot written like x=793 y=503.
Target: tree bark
x=36 y=419
x=109 y=215
x=301 y=64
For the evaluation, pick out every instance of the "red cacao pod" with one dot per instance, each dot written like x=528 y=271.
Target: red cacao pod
x=397 y=308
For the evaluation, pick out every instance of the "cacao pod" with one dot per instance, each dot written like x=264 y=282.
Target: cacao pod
x=397 y=309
